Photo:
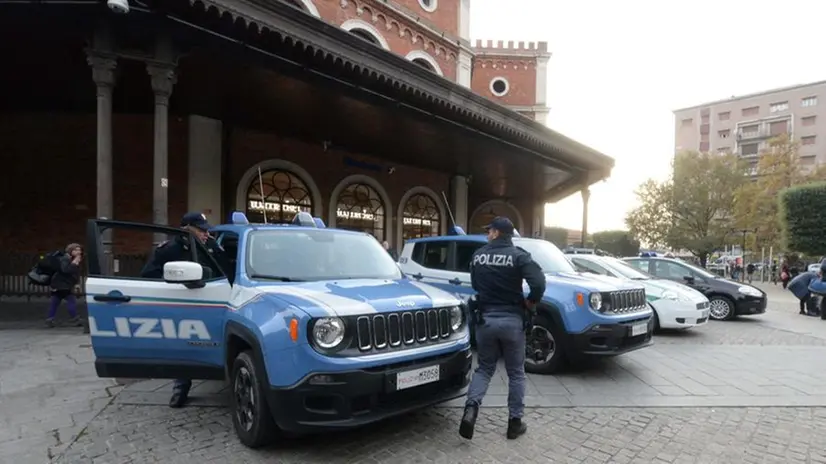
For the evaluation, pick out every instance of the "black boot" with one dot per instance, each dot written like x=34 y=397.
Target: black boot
x=179 y=397
x=516 y=428
x=469 y=421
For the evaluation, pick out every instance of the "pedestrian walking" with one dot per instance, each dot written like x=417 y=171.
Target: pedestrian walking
x=750 y=272
x=63 y=284
x=496 y=273
x=799 y=286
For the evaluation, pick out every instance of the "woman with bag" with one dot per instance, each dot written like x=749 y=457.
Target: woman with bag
x=63 y=284
x=784 y=274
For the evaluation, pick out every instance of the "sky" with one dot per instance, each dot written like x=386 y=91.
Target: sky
x=619 y=69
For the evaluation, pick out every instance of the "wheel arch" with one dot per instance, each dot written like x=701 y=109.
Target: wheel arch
x=239 y=338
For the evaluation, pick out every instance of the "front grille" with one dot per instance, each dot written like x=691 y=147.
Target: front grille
x=404 y=328
x=624 y=301
x=703 y=305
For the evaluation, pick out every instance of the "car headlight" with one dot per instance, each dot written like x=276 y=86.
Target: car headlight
x=328 y=332
x=671 y=296
x=750 y=291
x=456 y=318
x=596 y=301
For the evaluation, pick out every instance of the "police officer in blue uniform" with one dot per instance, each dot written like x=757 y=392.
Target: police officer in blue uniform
x=496 y=273
x=179 y=249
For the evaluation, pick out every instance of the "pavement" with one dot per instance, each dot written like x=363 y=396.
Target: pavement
x=748 y=390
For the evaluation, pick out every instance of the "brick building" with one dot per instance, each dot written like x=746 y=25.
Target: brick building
x=351 y=109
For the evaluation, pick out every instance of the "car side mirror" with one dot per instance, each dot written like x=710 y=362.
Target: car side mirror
x=185 y=272
x=688 y=279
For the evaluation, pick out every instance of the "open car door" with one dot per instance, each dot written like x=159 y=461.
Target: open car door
x=170 y=327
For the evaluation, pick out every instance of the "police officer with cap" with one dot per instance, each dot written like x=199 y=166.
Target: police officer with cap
x=179 y=249
x=496 y=273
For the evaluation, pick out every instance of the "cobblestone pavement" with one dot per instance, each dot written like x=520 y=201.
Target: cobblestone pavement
x=754 y=363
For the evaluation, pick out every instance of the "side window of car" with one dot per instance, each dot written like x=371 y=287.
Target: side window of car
x=590 y=266
x=464 y=253
x=432 y=255
x=641 y=264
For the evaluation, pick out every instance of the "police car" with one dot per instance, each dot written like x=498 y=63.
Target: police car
x=580 y=315
x=315 y=328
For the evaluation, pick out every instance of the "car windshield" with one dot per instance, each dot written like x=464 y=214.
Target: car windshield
x=699 y=270
x=624 y=269
x=306 y=255
x=549 y=258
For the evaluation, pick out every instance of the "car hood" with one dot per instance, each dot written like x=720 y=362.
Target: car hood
x=679 y=288
x=590 y=282
x=359 y=296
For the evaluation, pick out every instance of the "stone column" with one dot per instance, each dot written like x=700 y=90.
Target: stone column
x=458 y=201
x=163 y=79
x=586 y=195
x=103 y=73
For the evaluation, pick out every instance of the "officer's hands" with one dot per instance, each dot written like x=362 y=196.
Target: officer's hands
x=530 y=305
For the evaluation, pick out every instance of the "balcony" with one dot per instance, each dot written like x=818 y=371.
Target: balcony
x=754 y=134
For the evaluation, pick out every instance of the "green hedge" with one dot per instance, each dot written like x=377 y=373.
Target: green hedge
x=803 y=218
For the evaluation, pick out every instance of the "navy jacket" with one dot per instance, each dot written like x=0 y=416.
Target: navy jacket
x=68 y=276
x=799 y=286
x=496 y=273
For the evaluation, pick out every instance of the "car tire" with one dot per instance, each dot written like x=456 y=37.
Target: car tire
x=250 y=412
x=656 y=318
x=721 y=314
x=544 y=327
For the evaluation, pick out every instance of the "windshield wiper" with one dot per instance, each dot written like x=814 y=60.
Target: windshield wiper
x=271 y=277
x=639 y=278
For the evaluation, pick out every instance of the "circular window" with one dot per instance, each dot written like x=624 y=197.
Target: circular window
x=429 y=5
x=499 y=86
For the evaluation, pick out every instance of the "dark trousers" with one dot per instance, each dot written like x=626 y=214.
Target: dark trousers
x=183 y=385
x=57 y=297
x=803 y=302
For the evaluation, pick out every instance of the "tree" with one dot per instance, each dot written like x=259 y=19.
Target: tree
x=692 y=210
x=803 y=218
x=557 y=235
x=756 y=204
x=617 y=242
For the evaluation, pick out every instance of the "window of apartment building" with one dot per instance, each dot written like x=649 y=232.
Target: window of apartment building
x=778 y=127
x=808 y=140
x=704 y=119
x=751 y=111
x=750 y=130
x=809 y=120
x=778 y=107
x=749 y=149
x=809 y=101
x=724 y=134
x=723 y=150
x=687 y=122
x=704 y=147
x=724 y=116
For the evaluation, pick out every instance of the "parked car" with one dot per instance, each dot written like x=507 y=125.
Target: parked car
x=676 y=306
x=315 y=329
x=728 y=299
x=579 y=315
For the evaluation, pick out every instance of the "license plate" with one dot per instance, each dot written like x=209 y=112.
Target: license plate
x=639 y=329
x=414 y=378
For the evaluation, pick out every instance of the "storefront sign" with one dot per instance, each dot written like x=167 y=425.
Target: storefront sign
x=409 y=221
x=341 y=214
x=267 y=206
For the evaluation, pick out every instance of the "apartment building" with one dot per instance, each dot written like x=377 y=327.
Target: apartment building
x=744 y=124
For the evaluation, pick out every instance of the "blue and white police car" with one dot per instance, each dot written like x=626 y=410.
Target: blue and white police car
x=580 y=314
x=315 y=328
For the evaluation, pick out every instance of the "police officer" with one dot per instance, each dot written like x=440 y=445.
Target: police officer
x=179 y=249
x=496 y=273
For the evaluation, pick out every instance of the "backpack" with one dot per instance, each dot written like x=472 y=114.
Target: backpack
x=48 y=265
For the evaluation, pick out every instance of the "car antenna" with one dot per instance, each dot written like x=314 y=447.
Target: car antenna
x=454 y=229
x=261 y=189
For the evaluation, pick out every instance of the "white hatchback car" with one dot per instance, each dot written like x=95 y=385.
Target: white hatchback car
x=676 y=306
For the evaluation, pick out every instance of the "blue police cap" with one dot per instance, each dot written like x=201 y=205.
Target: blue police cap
x=502 y=224
x=195 y=220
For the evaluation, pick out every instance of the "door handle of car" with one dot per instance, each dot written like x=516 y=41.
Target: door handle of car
x=113 y=298
x=455 y=281
x=417 y=276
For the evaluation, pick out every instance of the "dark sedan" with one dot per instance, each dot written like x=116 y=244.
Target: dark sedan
x=728 y=299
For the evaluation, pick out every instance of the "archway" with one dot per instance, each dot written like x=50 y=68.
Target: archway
x=420 y=214
x=306 y=5
x=425 y=60
x=243 y=195
x=488 y=210
x=366 y=31
x=360 y=203
x=277 y=197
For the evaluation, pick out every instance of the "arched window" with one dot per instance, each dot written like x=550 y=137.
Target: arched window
x=420 y=217
x=487 y=212
x=365 y=35
x=284 y=195
x=424 y=63
x=360 y=208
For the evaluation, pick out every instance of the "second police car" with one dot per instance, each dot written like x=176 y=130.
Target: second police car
x=315 y=328
x=578 y=316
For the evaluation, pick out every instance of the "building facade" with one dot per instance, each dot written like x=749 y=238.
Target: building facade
x=378 y=116
x=745 y=124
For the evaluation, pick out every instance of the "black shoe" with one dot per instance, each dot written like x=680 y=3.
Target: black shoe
x=469 y=421
x=178 y=398
x=516 y=428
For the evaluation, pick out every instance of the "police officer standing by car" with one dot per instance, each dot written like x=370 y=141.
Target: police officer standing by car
x=496 y=273
x=179 y=249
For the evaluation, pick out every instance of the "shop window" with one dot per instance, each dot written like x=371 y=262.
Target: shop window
x=360 y=208
x=420 y=217
x=277 y=196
